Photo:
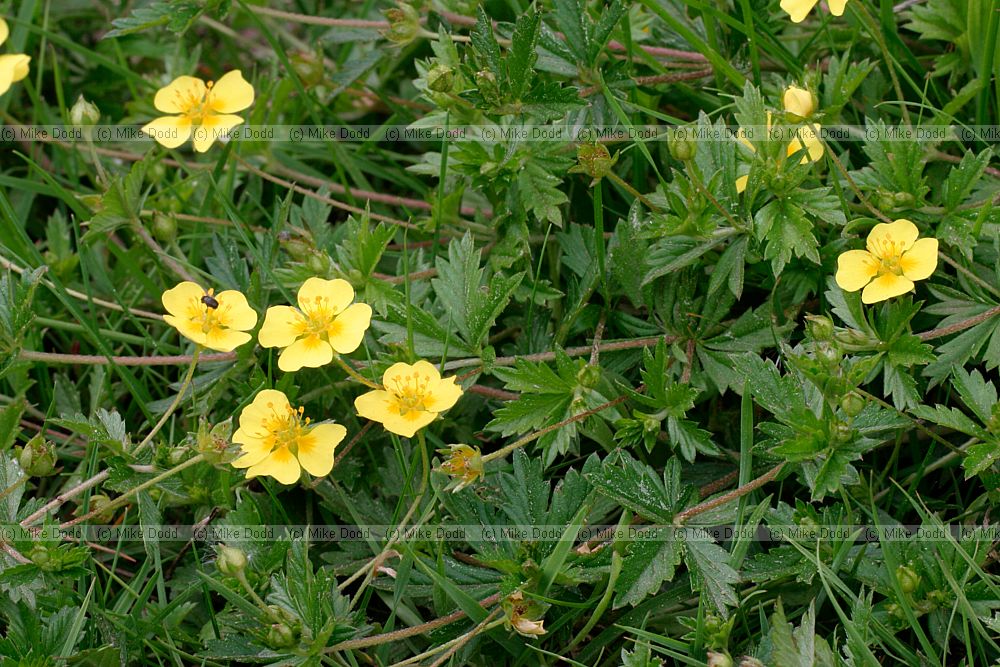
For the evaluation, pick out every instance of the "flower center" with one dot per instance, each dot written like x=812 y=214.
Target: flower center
x=197 y=108
x=285 y=427
x=410 y=393
x=320 y=316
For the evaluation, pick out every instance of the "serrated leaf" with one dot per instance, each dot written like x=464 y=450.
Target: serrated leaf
x=636 y=486
x=710 y=570
x=522 y=53
x=646 y=564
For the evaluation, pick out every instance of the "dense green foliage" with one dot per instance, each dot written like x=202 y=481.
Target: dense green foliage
x=646 y=341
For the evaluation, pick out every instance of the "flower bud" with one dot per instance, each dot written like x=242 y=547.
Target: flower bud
x=486 y=81
x=681 y=145
x=589 y=376
x=852 y=404
x=594 y=160
x=908 y=579
x=297 y=248
x=164 y=227
x=798 y=102
x=309 y=67
x=903 y=200
x=719 y=660
x=319 y=263
x=97 y=503
x=213 y=441
x=84 y=113
x=38 y=457
x=404 y=24
x=441 y=78
x=820 y=327
x=280 y=636
x=463 y=463
x=39 y=555
x=231 y=561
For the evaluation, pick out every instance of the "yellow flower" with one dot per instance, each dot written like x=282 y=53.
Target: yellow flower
x=325 y=322
x=798 y=9
x=277 y=440
x=411 y=398
x=217 y=321
x=204 y=109
x=13 y=66
x=800 y=103
x=893 y=260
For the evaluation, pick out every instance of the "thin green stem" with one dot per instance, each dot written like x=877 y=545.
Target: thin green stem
x=173 y=405
x=354 y=374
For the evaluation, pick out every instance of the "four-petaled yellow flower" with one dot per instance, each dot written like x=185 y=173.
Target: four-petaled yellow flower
x=277 y=440
x=412 y=398
x=13 y=66
x=799 y=9
x=217 y=321
x=204 y=109
x=893 y=260
x=325 y=322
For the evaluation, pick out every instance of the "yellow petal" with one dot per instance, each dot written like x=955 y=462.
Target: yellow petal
x=348 y=329
x=375 y=405
x=317 y=446
x=231 y=93
x=837 y=6
x=442 y=395
x=255 y=417
x=187 y=328
x=4 y=31
x=407 y=425
x=400 y=373
x=310 y=351
x=742 y=137
x=335 y=295
x=798 y=9
x=885 y=287
x=169 y=131
x=235 y=311
x=920 y=260
x=282 y=326
x=855 y=269
x=213 y=128
x=741 y=183
x=184 y=299
x=254 y=451
x=888 y=240
x=225 y=340
x=806 y=138
x=16 y=64
x=280 y=464
x=798 y=101
x=181 y=95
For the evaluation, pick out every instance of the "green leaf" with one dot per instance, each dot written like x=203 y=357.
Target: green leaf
x=976 y=392
x=636 y=486
x=363 y=245
x=949 y=418
x=710 y=570
x=647 y=563
x=540 y=193
x=522 y=53
x=175 y=15
x=980 y=456
x=119 y=205
x=570 y=19
x=484 y=42
x=788 y=233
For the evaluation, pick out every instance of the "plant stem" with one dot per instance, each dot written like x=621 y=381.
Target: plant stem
x=411 y=631
x=63 y=497
x=124 y=498
x=173 y=406
x=99 y=360
x=580 y=351
x=735 y=494
x=960 y=326
x=354 y=374
x=500 y=453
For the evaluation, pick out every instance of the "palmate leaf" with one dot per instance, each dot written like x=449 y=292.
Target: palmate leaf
x=710 y=570
x=175 y=15
x=648 y=561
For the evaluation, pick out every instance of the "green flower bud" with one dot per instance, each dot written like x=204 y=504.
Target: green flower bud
x=83 y=114
x=842 y=432
x=213 y=441
x=319 y=263
x=463 y=463
x=486 y=81
x=820 y=327
x=682 y=145
x=908 y=579
x=852 y=404
x=589 y=376
x=40 y=556
x=38 y=457
x=828 y=353
x=903 y=200
x=164 y=227
x=97 y=504
x=404 y=24
x=298 y=248
x=441 y=78
x=309 y=67
x=594 y=160
x=230 y=561
x=280 y=636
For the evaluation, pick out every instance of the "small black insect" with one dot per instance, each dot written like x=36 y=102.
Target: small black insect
x=210 y=301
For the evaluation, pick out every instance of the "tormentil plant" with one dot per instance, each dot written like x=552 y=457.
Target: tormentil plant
x=278 y=440
x=206 y=110
x=326 y=323
x=216 y=321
